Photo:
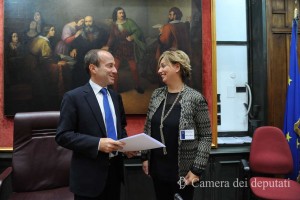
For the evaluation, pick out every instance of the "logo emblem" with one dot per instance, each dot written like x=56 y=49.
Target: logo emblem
x=181 y=182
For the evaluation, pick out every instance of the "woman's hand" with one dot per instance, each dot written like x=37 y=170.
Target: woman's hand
x=78 y=33
x=106 y=48
x=130 y=154
x=191 y=178
x=146 y=167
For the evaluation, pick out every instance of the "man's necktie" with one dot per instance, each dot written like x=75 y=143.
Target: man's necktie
x=109 y=121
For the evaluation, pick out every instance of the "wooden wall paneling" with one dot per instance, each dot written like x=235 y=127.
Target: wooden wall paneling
x=279 y=20
x=269 y=60
x=278 y=78
x=278 y=4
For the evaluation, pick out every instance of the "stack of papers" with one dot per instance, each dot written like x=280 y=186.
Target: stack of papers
x=235 y=140
x=246 y=139
x=140 y=142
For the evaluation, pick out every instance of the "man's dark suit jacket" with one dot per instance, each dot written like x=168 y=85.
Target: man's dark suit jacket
x=81 y=125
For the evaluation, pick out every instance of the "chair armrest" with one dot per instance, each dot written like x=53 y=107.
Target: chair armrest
x=245 y=165
x=5 y=184
x=245 y=168
x=5 y=175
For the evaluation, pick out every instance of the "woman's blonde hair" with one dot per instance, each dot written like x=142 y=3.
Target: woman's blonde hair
x=178 y=56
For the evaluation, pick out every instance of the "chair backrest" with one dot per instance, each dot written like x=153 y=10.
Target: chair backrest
x=270 y=152
x=38 y=162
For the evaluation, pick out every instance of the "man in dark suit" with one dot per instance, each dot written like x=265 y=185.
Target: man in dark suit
x=96 y=167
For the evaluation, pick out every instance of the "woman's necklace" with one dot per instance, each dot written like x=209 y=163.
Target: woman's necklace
x=164 y=116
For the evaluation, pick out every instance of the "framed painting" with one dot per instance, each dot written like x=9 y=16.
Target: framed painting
x=45 y=43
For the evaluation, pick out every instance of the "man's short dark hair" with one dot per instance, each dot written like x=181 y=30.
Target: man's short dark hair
x=177 y=12
x=91 y=57
x=115 y=13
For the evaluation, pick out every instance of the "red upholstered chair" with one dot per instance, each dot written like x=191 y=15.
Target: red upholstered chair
x=271 y=158
x=40 y=168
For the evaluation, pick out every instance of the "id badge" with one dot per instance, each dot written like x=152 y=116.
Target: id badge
x=187 y=134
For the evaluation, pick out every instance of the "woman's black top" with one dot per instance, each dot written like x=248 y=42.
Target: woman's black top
x=165 y=167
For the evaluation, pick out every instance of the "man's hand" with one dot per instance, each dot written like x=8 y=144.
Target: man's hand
x=73 y=53
x=62 y=63
x=129 y=38
x=191 y=178
x=160 y=30
x=130 y=154
x=109 y=145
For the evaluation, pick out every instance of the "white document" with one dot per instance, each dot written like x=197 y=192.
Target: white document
x=234 y=140
x=140 y=142
x=246 y=139
x=229 y=140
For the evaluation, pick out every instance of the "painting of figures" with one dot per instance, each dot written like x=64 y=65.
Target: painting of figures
x=46 y=41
